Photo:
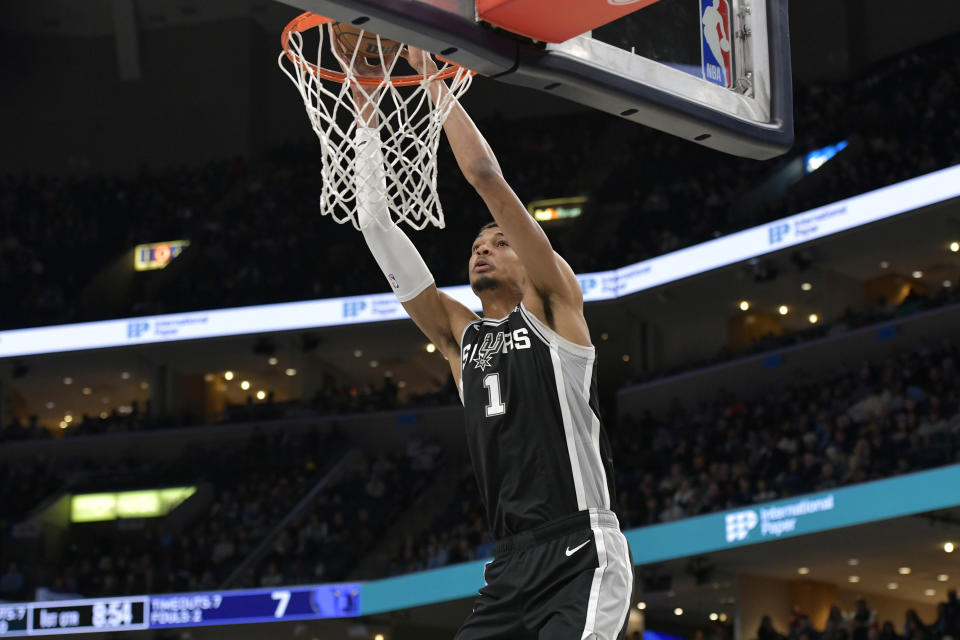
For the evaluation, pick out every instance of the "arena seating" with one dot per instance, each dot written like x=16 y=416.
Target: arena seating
x=254 y=227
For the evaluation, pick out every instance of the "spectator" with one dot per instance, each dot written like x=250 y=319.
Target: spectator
x=913 y=628
x=953 y=613
x=836 y=626
x=941 y=627
x=766 y=631
x=11 y=583
x=803 y=630
x=889 y=632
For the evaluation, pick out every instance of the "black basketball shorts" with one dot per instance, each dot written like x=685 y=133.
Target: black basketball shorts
x=570 y=579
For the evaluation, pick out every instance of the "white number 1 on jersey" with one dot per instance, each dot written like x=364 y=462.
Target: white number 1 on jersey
x=495 y=407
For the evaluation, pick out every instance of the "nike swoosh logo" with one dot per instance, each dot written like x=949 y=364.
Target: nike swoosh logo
x=570 y=551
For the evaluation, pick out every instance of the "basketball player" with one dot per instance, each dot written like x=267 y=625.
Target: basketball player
x=527 y=378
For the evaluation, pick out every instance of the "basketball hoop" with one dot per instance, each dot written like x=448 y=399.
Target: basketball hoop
x=408 y=121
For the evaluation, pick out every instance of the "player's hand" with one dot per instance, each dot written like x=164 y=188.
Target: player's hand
x=421 y=61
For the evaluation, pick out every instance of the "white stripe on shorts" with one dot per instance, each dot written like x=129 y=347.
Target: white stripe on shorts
x=612 y=586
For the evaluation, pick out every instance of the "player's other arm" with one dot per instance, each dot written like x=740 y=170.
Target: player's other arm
x=550 y=274
x=440 y=317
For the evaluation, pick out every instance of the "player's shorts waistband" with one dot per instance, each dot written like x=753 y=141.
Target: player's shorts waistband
x=555 y=528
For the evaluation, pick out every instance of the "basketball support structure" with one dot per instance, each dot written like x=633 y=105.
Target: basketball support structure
x=586 y=71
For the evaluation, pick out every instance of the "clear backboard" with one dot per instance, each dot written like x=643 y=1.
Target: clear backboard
x=715 y=72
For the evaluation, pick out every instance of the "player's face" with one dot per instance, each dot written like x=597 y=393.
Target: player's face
x=493 y=261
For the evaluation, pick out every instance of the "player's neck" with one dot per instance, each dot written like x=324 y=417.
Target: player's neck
x=499 y=304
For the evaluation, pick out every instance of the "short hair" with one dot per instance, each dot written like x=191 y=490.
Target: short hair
x=489 y=225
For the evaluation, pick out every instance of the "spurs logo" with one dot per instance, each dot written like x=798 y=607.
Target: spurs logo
x=482 y=354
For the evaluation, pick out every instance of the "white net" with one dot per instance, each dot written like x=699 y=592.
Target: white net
x=408 y=121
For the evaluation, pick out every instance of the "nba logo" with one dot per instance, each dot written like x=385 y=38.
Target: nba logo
x=716 y=42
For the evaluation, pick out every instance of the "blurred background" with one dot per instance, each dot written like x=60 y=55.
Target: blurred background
x=337 y=453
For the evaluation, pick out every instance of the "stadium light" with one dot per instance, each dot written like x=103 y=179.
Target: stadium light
x=955 y=246
x=261 y=395
x=816 y=159
x=806 y=286
x=272 y=361
x=918 y=274
x=853 y=579
x=245 y=385
x=948 y=547
x=942 y=577
x=431 y=347
x=228 y=375
x=803 y=570
x=641 y=605
x=68 y=380
x=744 y=305
x=714 y=616
x=783 y=310
x=930 y=592
x=813 y=318
x=291 y=372
x=904 y=571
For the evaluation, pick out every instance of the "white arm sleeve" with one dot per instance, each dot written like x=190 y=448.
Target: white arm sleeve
x=398 y=258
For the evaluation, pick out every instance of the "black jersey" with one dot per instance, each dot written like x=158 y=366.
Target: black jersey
x=533 y=428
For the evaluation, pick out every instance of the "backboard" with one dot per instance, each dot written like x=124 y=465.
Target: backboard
x=715 y=72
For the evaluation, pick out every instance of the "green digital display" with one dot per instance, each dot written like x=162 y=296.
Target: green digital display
x=150 y=503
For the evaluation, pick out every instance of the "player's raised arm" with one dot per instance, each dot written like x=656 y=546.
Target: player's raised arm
x=550 y=274
x=440 y=317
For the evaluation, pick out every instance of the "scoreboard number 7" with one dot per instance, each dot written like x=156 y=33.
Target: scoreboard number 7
x=283 y=599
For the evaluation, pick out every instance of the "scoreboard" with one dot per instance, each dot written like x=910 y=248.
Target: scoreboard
x=179 y=610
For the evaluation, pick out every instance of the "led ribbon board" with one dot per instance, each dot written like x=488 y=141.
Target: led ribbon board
x=737 y=247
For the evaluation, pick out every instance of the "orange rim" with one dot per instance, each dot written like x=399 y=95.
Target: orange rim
x=309 y=20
